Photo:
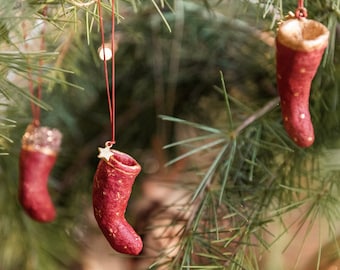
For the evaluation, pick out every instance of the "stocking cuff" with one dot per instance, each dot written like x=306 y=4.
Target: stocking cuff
x=43 y=139
x=303 y=34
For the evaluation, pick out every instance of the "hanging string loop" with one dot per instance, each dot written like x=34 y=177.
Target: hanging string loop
x=301 y=11
x=110 y=93
x=36 y=91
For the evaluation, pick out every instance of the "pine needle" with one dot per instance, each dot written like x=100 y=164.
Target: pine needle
x=162 y=15
x=227 y=168
x=227 y=105
x=195 y=151
x=191 y=124
x=210 y=173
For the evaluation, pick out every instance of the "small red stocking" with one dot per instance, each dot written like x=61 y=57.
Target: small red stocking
x=300 y=44
x=38 y=154
x=112 y=186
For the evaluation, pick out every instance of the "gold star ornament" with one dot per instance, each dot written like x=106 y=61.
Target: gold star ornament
x=105 y=153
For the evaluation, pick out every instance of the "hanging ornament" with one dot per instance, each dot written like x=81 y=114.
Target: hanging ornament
x=112 y=187
x=300 y=44
x=115 y=174
x=40 y=146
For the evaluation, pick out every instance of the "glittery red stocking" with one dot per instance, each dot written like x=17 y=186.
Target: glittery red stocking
x=38 y=154
x=112 y=187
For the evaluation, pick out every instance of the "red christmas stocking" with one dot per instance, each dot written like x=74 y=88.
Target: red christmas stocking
x=112 y=186
x=40 y=146
x=300 y=44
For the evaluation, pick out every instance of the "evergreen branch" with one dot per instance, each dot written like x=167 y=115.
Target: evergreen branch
x=255 y=116
x=198 y=199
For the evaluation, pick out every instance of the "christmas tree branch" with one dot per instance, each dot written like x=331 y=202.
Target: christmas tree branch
x=270 y=105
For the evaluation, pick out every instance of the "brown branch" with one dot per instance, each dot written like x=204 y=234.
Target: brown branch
x=256 y=115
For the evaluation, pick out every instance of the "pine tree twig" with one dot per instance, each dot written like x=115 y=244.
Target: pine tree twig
x=256 y=115
x=195 y=204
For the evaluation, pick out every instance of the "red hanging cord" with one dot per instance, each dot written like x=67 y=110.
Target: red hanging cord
x=40 y=81
x=301 y=11
x=38 y=92
x=110 y=94
x=113 y=48
x=29 y=75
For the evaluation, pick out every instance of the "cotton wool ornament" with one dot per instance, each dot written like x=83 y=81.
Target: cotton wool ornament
x=300 y=44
